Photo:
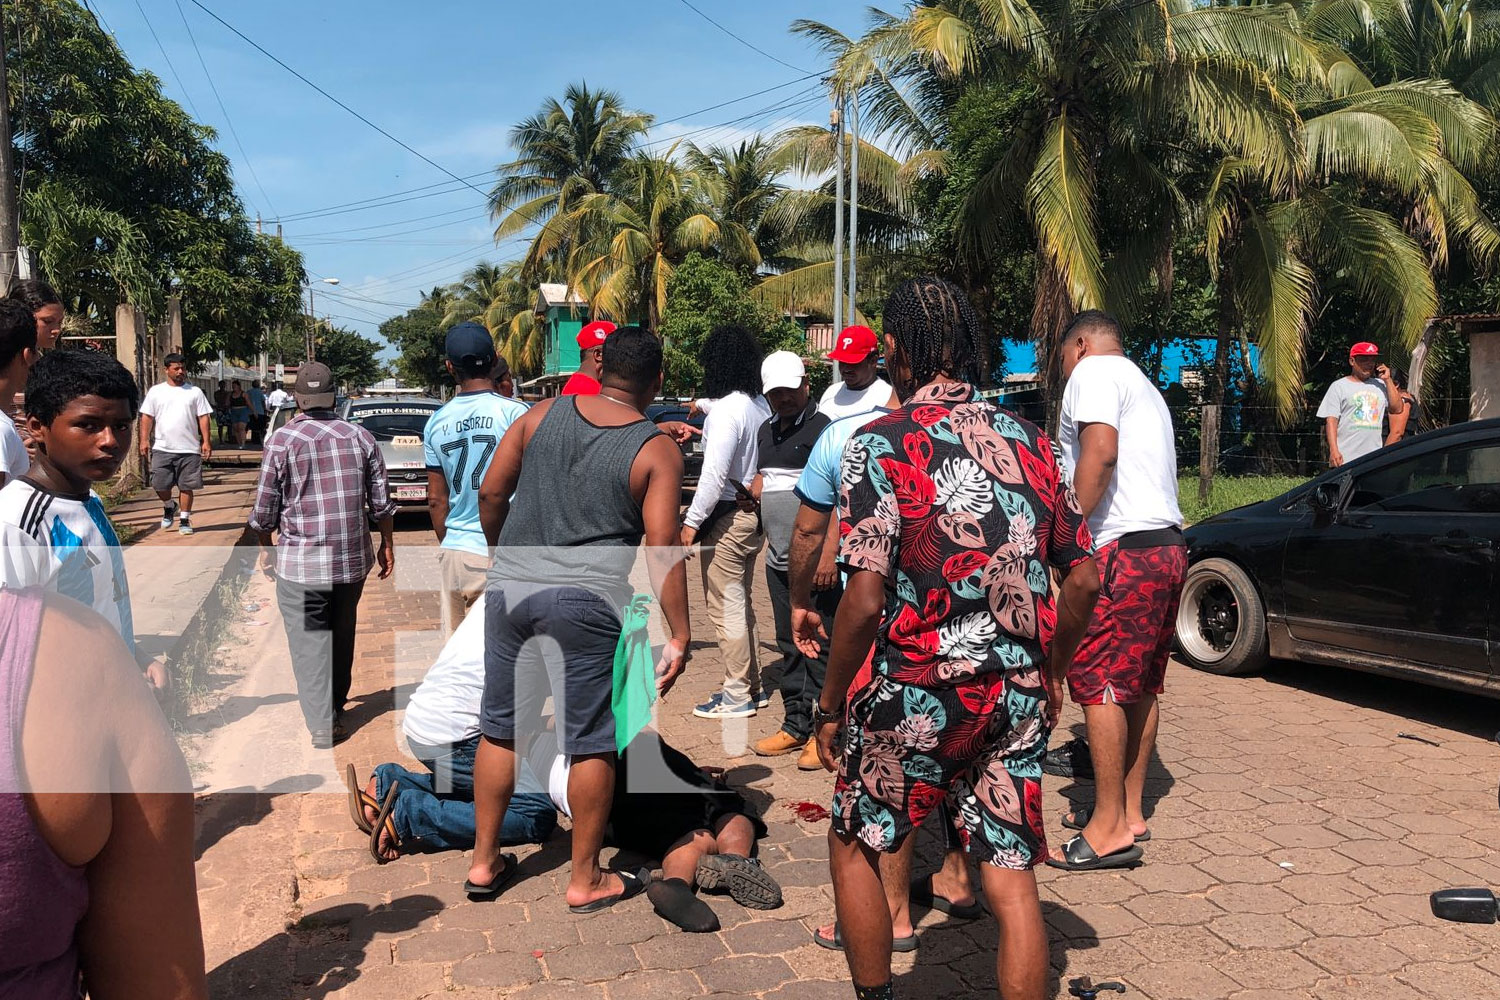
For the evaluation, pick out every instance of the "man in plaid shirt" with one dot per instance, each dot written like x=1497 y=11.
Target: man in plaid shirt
x=319 y=477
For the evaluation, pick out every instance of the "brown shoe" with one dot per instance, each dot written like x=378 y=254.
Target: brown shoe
x=776 y=744
x=809 y=760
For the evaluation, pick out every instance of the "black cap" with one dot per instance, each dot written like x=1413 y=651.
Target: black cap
x=470 y=346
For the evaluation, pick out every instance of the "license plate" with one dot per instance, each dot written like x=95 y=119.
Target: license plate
x=411 y=493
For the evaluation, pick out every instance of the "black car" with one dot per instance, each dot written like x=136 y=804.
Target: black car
x=1386 y=564
x=692 y=451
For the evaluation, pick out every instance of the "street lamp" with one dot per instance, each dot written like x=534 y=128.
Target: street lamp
x=309 y=346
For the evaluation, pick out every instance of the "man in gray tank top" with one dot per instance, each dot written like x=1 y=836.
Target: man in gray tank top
x=575 y=486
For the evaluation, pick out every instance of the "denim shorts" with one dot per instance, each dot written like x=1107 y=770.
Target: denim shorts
x=557 y=641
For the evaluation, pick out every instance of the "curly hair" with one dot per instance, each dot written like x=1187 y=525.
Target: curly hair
x=731 y=361
x=935 y=327
x=62 y=376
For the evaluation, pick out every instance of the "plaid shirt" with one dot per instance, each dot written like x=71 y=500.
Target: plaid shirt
x=319 y=475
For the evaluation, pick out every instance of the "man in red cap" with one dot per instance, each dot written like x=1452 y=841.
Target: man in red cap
x=585 y=381
x=861 y=391
x=1355 y=406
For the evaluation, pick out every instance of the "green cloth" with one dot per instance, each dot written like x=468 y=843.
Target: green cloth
x=635 y=673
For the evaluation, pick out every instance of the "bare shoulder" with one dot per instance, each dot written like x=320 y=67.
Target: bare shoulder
x=660 y=454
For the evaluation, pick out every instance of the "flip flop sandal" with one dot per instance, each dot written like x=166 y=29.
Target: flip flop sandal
x=359 y=800
x=1079 y=818
x=384 y=824
x=484 y=893
x=1078 y=856
x=746 y=881
x=635 y=883
x=921 y=893
x=908 y=943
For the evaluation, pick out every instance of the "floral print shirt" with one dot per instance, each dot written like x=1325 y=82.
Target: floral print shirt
x=960 y=505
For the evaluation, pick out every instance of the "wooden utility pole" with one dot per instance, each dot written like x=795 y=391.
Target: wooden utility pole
x=9 y=219
x=1208 y=450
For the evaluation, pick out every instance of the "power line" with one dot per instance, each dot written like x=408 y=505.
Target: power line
x=742 y=41
x=170 y=67
x=225 y=111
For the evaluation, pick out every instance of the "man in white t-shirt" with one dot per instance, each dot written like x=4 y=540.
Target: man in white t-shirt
x=175 y=441
x=17 y=354
x=278 y=398
x=861 y=390
x=1354 y=408
x=1118 y=446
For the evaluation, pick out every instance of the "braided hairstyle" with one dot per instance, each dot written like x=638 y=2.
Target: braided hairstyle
x=935 y=328
x=731 y=361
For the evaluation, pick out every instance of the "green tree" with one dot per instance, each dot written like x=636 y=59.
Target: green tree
x=417 y=336
x=704 y=293
x=353 y=359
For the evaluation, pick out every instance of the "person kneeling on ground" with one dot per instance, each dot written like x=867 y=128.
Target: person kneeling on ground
x=664 y=807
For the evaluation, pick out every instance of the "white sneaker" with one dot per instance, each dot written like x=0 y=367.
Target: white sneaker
x=167 y=516
x=185 y=527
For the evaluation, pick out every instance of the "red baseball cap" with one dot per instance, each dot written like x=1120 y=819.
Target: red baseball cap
x=1364 y=349
x=593 y=334
x=854 y=345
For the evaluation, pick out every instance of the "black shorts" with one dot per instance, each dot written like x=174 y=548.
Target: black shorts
x=557 y=641
x=659 y=800
x=170 y=468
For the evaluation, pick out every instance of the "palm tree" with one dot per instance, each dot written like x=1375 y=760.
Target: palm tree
x=1116 y=87
x=567 y=151
x=626 y=242
x=742 y=183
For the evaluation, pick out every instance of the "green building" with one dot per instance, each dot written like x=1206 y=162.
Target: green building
x=562 y=313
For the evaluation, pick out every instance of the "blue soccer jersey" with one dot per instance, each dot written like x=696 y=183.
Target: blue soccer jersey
x=460 y=441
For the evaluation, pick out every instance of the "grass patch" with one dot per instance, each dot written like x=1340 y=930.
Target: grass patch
x=197 y=650
x=1229 y=492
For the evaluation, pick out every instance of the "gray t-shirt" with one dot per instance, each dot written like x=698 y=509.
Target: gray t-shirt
x=1360 y=406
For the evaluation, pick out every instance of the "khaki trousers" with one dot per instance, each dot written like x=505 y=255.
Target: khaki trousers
x=728 y=560
x=463 y=581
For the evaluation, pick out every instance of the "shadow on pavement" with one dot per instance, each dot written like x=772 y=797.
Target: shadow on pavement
x=321 y=954
x=1408 y=700
x=953 y=961
x=219 y=813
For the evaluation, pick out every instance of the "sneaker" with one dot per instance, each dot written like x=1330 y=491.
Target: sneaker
x=717 y=708
x=184 y=527
x=1071 y=760
x=778 y=743
x=168 y=515
x=760 y=699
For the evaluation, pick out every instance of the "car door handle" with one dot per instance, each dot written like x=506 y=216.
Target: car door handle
x=1460 y=543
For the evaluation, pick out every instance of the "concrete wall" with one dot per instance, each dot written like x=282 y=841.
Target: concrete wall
x=1484 y=374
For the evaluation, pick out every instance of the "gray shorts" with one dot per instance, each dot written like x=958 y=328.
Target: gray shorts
x=170 y=468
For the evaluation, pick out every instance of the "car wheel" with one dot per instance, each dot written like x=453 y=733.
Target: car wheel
x=1221 y=621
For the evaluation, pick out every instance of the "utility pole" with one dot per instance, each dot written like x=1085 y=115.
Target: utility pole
x=309 y=336
x=853 y=198
x=9 y=219
x=837 y=120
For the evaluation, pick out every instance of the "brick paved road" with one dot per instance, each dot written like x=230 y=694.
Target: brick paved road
x=1295 y=838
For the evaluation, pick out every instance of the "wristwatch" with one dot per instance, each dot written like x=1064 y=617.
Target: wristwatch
x=820 y=717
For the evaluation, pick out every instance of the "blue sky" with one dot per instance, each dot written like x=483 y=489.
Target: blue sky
x=449 y=78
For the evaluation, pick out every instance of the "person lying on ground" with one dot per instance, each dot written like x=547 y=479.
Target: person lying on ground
x=97 y=890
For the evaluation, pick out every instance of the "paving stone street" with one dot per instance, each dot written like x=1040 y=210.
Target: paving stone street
x=1297 y=831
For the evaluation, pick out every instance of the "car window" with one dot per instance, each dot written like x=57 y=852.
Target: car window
x=387 y=423
x=1462 y=480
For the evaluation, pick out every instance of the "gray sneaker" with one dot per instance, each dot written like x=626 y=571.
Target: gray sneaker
x=184 y=527
x=746 y=881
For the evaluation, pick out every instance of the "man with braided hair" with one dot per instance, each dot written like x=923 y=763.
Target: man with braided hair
x=950 y=512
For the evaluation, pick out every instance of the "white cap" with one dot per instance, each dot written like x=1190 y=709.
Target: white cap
x=781 y=370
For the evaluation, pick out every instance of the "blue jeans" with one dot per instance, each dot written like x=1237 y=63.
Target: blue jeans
x=435 y=811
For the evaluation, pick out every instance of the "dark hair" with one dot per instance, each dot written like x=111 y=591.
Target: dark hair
x=17 y=331
x=731 y=361
x=501 y=369
x=935 y=327
x=35 y=294
x=632 y=359
x=176 y=359
x=1091 y=322
x=62 y=376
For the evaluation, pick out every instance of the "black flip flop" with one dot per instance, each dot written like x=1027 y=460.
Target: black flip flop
x=635 y=883
x=908 y=943
x=1079 y=818
x=921 y=894
x=383 y=824
x=484 y=893
x=745 y=879
x=1078 y=856
x=358 y=800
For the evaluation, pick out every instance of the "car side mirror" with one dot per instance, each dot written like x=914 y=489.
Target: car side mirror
x=1325 y=498
x=1466 y=906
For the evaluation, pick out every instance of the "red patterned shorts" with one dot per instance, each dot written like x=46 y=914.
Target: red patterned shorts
x=1123 y=656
